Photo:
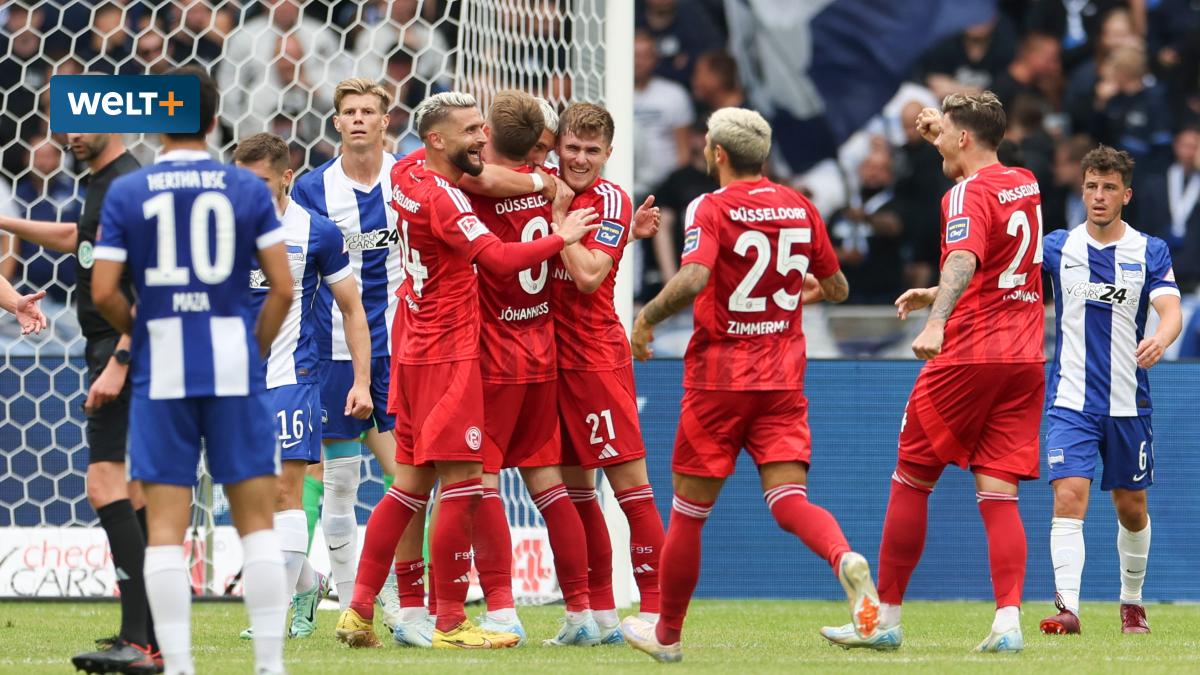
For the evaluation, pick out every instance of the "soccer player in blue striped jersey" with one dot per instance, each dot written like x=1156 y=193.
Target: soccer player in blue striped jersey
x=1106 y=275
x=190 y=229
x=316 y=254
x=352 y=189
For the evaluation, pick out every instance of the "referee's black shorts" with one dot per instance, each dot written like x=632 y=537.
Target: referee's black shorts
x=108 y=426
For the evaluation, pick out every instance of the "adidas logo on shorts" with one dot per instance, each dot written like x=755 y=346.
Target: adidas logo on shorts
x=608 y=452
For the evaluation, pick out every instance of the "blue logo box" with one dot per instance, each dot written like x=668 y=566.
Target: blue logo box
x=92 y=104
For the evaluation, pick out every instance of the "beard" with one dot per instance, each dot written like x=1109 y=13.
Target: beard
x=465 y=163
x=89 y=150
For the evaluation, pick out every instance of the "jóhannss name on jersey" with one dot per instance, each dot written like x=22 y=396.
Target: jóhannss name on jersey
x=1019 y=192
x=190 y=178
x=515 y=204
x=745 y=215
x=758 y=327
x=524 y=313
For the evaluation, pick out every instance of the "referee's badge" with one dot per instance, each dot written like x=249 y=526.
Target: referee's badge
x=86 y=255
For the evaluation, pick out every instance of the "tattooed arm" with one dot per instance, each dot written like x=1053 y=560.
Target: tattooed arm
x=833 y=288
x=956 y=276
x=677 y=294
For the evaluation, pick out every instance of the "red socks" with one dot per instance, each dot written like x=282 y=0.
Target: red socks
x=1006 y=545
x=451 y=549
x=391 y=515
x=493 y=551
x=815 y=526
x=569 y=544
x=410 y=581
x=599 y=548
x=903 y=536
x=680 y=563
x=645 y=541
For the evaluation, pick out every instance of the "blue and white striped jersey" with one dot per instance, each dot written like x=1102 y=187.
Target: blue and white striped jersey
x=372 y=239
x=1102 y=295
x=316 y=251
x=189 y=229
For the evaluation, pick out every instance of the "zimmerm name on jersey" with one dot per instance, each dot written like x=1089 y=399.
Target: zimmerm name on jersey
x=191 y=178
x=1019 y=192
x=524 y=313
x=520 y=204
x=758 y=327
x=746 y=215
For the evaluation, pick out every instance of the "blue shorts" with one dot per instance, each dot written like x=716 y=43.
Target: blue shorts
x=238 y=434
x=336 y=378
x=297 y=421
x=1126 y=444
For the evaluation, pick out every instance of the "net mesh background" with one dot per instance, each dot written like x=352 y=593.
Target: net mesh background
x=277 y=64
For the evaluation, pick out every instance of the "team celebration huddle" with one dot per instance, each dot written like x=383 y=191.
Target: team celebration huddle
x=453 y=310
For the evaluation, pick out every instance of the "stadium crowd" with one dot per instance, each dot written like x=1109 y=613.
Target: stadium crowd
x=1125 y=73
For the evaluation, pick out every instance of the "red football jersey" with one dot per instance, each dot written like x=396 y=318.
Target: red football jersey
x=997 y=215
x=758 y=239
x=441 y=236
x=590 y=336
x=518 y=331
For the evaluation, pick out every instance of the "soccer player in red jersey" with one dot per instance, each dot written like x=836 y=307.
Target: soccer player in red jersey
x=748 y=249
x=597 y=401
x=978 y=399
x=440 y=395
x=519 y=372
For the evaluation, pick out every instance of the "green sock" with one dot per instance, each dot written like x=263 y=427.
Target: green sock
x=313 y=491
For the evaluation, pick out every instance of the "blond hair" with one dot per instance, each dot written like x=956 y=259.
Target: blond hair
x=744 y=136
x=438 y=107
x=549 y=114
x=362 y=86
x=587 y=119
x=981 y=114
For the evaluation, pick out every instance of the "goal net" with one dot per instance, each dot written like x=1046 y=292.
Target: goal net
x=276 y=64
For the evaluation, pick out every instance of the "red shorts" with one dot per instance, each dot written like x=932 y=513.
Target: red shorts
x=440 y=413
x=521 y=421
x=599 y=416
x=981 y=416
x=714 y=426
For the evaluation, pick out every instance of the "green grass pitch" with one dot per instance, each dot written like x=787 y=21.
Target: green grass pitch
x=727 y=637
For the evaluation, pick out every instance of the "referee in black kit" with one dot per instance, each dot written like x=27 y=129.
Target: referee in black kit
x=133 y=649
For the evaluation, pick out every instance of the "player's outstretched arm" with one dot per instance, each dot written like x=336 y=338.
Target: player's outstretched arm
x=24 y=307
x=679 y=292
x=956 y=276
x=358 y=339
x=498 y=182
x=107 y=295
x=1170 y=324
x=273 y=262
x=60 y=237
x=914 y=299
